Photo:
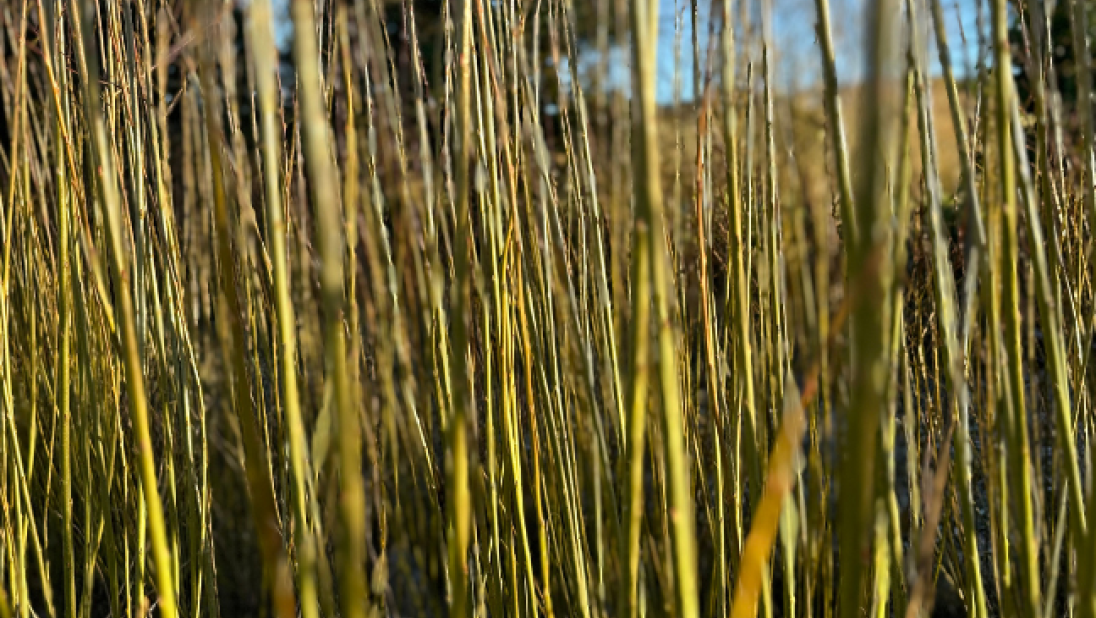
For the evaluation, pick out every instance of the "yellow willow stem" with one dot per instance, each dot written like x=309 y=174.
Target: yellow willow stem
x=107 y=190
x=459 y=501
x=648 y=189
x=262 y=48
x=329 y=237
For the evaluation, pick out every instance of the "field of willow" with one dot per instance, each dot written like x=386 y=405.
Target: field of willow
x=489 y=308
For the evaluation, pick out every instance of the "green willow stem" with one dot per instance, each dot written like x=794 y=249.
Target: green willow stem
x=870 y=317
x=1018 y=443
x=835 y=119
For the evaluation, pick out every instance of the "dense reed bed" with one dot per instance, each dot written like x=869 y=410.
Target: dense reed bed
x=427 y=313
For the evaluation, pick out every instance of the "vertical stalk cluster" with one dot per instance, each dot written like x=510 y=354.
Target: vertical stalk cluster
x=407 y=313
